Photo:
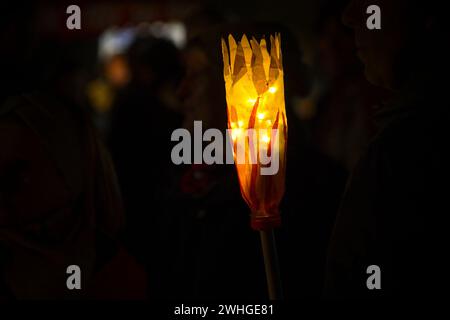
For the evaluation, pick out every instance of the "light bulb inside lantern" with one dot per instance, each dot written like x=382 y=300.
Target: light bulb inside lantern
x=235 y=133
x=251 y=101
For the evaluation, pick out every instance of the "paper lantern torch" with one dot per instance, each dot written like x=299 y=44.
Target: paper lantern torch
x=258 y=126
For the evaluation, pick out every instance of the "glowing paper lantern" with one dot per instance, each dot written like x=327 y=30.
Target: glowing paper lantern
x=255 y=99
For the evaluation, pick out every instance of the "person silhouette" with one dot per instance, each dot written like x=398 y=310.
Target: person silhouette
x=392 y=213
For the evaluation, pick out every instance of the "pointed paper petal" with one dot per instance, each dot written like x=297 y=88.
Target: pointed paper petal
x=247 y=49
x=240 y=68
x=232 y=45
x=258 y=75
x=226 y=59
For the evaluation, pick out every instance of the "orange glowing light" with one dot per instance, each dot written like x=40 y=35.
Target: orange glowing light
x=255 y=100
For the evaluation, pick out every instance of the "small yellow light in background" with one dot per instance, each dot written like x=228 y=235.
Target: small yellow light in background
x=251 y=101
x=261 y=116
x=272 y=89
x=269 y=123
x=240 y=123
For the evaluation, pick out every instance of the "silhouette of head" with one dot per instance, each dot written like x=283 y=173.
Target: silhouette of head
x=406 y=45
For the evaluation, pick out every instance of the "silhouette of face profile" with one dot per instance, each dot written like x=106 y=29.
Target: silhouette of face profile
x=386 y=52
